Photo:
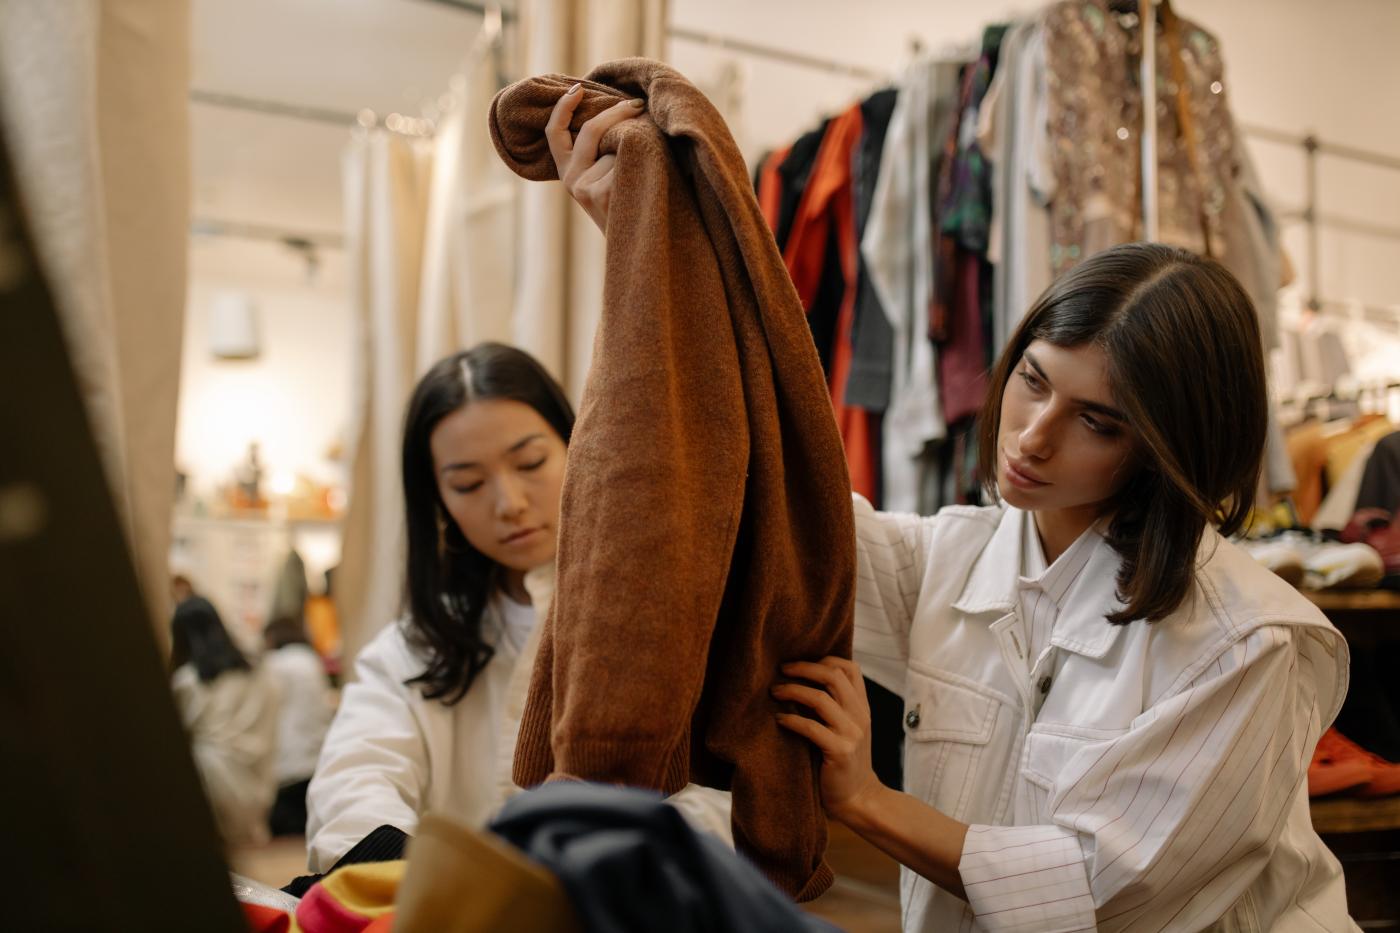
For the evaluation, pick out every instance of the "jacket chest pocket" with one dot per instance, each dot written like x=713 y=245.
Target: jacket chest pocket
x=1048 y=752
x=949 y=722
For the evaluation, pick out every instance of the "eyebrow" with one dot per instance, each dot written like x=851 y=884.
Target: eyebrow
x=1098 y=407
x=467 y=464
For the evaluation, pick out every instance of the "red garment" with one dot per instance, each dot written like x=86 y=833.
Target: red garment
x=770 y=187
x=828 y=199
x=962 y=360
x=265 y=919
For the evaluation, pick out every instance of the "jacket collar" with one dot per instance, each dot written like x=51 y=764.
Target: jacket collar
x=1082 y=627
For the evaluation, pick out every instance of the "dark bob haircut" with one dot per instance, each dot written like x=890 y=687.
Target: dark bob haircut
x=1186 y=366
x=448 y=582
x=198 y=638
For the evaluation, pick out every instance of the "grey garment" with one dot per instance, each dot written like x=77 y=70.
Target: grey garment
x=626 y=859
x=1252 y=250
x=1013 y=134
x=1322 y=358
x=290 y=591
x=1278 y=466
x=872 y=337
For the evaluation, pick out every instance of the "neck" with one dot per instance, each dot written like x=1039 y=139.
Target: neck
x=513 y=585
x=1059 y=528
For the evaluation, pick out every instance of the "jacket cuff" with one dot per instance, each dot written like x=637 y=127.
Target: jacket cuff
x=385 y=844
x=1027 y=878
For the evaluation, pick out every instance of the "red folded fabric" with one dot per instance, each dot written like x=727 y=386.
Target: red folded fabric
x=265 y=919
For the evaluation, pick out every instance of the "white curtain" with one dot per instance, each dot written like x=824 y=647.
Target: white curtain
x=448 y=248
x=469 y=254
x=561 y=255
x=94 y=99
x=387 y=179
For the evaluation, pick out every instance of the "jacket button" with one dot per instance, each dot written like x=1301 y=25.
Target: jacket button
x=1044 y=684
x=911 y=718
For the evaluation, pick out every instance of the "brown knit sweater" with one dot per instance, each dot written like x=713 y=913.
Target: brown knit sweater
x=706 y=533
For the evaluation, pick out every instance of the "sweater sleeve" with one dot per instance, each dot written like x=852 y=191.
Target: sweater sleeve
x=373 y=768
x=890 y=560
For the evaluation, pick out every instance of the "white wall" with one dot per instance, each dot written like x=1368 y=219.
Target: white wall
x=294 y=400
x=1291 y=64
x=1297 y=65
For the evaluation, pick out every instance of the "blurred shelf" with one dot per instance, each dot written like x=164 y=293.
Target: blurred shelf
x=1355 y=814
x=1354 y=600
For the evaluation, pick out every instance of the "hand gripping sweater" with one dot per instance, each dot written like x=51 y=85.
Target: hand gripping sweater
x=706 y=534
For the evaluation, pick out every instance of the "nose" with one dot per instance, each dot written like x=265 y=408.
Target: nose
x=1037 y=438
x=511 y=501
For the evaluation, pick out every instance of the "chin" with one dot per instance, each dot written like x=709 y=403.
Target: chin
x=1017 y=498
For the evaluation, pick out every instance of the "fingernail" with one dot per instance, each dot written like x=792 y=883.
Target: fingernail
x=573 y=90
x=638 y=103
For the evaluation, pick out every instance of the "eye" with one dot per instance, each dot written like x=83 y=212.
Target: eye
x=468 y=487
x=528 y=467
x=1032 y=380
x=1099 y=427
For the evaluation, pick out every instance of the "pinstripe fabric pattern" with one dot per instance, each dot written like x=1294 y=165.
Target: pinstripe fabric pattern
x=1158 y=785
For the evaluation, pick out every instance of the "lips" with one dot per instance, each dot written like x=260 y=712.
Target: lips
x=521 y=536
x=1022 y=476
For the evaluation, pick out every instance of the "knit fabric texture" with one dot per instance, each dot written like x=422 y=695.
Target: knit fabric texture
x=706 y=531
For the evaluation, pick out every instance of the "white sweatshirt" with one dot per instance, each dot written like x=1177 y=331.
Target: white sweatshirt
x=232 y=723
x=391 y=755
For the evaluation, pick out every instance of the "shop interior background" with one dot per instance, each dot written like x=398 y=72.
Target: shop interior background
x=259 y=178
x=269 y=381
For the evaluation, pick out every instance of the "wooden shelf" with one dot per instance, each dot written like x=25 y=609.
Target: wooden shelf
x=1355 y=814
x=1354 y=600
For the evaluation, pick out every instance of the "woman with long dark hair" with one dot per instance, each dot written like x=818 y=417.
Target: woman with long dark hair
x=483 y=462
x=431 y=718
x=230 y=713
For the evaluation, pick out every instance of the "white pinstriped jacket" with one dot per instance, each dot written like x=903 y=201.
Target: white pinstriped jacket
x=1147 y=777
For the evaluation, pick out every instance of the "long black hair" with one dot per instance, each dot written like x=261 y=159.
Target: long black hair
x=1186 y=365
x=198 y=637
x=448 y=582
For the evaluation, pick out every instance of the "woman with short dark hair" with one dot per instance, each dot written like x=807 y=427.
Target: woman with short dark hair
x=230 y=712
x=1109 y=707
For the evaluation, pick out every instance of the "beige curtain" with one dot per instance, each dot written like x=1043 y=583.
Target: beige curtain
x=94 y=98
x=561 y=256
x=448 y=248
x=387 y=179
x=468 y=287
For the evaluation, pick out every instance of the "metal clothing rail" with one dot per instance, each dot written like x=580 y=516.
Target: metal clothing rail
x=1307 y=140
x=774 y=53
x=303 y=240
x=273 y=108
x=485 y=9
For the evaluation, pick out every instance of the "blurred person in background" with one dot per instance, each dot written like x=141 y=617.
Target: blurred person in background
x=306 y=704
x=230 y=712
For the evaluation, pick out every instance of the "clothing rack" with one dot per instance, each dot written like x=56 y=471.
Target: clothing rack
x=1312 y=146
